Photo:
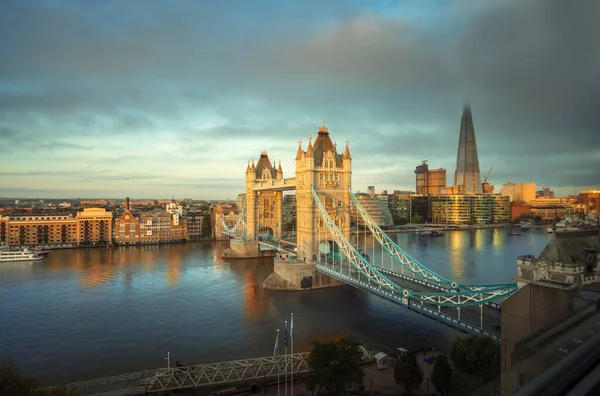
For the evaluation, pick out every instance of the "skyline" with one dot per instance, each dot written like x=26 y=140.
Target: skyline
x=160 y=100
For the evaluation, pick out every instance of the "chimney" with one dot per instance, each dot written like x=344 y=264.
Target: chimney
x=127 y=203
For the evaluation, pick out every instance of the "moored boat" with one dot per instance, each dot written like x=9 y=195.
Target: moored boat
x=19 y=255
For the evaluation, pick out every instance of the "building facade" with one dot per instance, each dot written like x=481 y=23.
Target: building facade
x=519 y=192
x=94 y=226
x=469 y=209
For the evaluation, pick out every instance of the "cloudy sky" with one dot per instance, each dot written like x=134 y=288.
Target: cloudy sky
x=171 y=98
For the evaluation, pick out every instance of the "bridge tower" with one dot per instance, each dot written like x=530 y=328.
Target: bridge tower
x=330 y=174
x=263 y=206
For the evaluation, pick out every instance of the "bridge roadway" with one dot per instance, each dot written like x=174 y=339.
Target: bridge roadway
x=472 y=314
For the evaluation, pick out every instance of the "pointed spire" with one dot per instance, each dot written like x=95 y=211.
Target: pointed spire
x=323 y=128
x=279 y=170
x=309 y=149
x=300 y=152
x=248 y=167
x=252 y=167
x=347 y=152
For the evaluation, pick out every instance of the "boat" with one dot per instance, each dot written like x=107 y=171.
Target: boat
x=19 y=255
x=513 y=233
x=432 y=233
x=43 y=253
x=549 y=230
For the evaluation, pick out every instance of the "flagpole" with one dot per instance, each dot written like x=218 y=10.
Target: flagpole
x=292 y=354
x=285 y=355
x=276 y=355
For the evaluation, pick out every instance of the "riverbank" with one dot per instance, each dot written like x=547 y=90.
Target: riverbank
x=105 y=246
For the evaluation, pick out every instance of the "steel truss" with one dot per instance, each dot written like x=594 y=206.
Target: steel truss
x=219 y=373
x=239 y=228
x=413 y=265
x=455 y=298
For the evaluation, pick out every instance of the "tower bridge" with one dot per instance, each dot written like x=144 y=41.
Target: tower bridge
x=329 y=252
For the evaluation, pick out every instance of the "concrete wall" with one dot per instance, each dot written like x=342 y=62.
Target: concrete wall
x=528 y=310
x=239 y=249
x=289 y=276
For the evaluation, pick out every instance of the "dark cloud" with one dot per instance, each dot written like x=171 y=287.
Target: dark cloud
x=222 y=83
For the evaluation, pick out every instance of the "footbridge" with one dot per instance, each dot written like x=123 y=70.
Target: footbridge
x=200 y=375
x=336 y=236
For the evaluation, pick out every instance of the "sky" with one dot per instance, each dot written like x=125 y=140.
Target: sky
x=154 y=99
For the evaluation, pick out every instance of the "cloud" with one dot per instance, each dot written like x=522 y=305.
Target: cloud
x=202 y=88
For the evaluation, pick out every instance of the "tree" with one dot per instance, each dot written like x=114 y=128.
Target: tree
x=477 y=359
x=441 y=376
x=417 y=218
x=14 y=383
x=335 y=367
x=206 y=226
x=408 y=373
x=537 y=218
x=400 y=220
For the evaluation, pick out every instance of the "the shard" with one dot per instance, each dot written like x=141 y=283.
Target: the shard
x=466 y=176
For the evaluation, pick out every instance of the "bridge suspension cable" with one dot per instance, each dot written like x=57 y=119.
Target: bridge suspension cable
x=413 y=265
x=239 y=228
x=378 y=283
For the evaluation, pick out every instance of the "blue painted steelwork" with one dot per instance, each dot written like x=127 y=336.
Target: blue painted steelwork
x=413 y=265
x=455 y=298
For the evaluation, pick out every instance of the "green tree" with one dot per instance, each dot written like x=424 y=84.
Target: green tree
x=441 y=376
x=335 y=367
x=477 y=359
x=408 y=373
x=417 y=218
x=14 y=383
x=400 y=220
x=537 y=218
x=290 y=226
x=206 y=226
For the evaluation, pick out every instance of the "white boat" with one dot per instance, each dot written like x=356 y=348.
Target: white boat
x=19 y=255
x=549 y=230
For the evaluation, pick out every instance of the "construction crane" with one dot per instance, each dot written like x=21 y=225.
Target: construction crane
x=485 y=179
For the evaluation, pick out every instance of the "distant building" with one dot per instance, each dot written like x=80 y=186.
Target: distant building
x=467 y=161
x=430 y=181
x=591 y=199
x=519 y=192
x=195 y=220
x=545 y=192
x=173 y=207
x=288 y=215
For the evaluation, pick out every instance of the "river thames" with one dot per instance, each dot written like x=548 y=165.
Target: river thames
x=82 y=314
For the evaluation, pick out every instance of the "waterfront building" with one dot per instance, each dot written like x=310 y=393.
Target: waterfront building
x=127 y=227
x=467 y=162
x=466 y=209
x=570 y=257
x=195 y=220
x=399 y=204
x=94 y=226
x=518 y=209
x=519 y=192
x=45 y=230
x=160 y=227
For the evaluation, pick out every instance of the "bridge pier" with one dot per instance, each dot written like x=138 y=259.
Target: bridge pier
x=297 y=276
x=240 y=249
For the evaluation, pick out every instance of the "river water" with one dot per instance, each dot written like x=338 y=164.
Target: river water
x=82 y=314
